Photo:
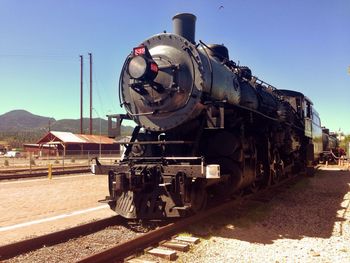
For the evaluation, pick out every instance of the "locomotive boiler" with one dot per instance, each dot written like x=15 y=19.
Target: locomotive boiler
x=205 y=127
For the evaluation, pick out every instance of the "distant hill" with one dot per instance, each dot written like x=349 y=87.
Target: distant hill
x=18 y=121
x=21 y=120
x=73 y=125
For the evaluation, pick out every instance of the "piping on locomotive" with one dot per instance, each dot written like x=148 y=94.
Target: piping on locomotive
x=205 y=126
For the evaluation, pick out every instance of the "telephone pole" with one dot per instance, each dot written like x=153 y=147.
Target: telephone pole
x=90 y=56
x=81 y=95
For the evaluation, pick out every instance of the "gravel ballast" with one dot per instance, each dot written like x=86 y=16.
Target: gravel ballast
x=310 y=222
x=78 y=248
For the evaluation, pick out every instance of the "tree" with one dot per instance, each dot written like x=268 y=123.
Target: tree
x=344 y=143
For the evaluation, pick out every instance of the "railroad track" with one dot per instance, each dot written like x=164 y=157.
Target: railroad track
x=24 y=246
x=121 y=251
x=36 y=169
x=137 y=244
x=42 y=171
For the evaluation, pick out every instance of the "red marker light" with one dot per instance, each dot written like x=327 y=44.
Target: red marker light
x=154 y=67
x=141 y=50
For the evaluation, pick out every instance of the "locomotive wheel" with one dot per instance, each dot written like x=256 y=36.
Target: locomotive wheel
x=276 y=168
x=253 y=188
x=262 y=176
x=199 y=196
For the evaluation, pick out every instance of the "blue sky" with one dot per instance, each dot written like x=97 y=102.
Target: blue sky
x=299 y=45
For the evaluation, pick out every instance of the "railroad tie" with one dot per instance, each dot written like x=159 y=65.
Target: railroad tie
x=176 y=245
x=163 y=253
x=187 y=239
x=167 y=249
x=138 y=260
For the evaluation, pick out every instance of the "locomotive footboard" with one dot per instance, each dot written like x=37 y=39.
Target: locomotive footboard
x=154 y=191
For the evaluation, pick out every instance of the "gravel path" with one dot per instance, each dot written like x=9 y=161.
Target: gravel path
x=23 y=201
x=310 y=222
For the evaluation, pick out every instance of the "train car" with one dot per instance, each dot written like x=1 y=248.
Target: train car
x=330 y=151
x=205 y=126
x=304 y=110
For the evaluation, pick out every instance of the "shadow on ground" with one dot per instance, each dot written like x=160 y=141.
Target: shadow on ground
x=310 y=208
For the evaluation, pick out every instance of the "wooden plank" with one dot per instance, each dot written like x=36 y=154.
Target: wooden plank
x=163 y=253
x=192 y=240
x=173 y=244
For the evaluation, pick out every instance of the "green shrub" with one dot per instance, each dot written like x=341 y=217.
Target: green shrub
x=32 y=162
x=72 y=160
x=6 y=163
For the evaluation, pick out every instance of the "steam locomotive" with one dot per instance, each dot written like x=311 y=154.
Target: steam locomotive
x=205 y=126
x=330 y=151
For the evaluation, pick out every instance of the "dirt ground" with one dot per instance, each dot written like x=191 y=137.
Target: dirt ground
x=38 y=199
x=310 y=222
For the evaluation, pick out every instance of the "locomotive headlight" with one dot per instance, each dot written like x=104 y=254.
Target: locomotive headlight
x=142 y=66
x=138 y=67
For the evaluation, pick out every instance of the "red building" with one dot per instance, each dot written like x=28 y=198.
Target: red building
x=67 y=143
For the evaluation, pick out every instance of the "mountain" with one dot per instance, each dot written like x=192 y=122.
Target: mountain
x=21 y=120
x=17 y=121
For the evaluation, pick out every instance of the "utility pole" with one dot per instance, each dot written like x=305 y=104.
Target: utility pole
x=90 y=56
x=100 y=132
x=81 y=95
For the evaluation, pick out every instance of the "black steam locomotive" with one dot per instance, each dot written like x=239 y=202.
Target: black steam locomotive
x=330 y=153
x=205 y=126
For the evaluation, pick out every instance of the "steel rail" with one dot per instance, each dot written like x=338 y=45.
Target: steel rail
x=21 y=247
x=125 y=249
x=34 y=169
x=43 y=173
x=128 y=248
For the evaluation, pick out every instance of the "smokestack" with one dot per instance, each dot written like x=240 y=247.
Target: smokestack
x=185 y=25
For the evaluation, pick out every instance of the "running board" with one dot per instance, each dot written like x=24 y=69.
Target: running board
x=106 y=200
